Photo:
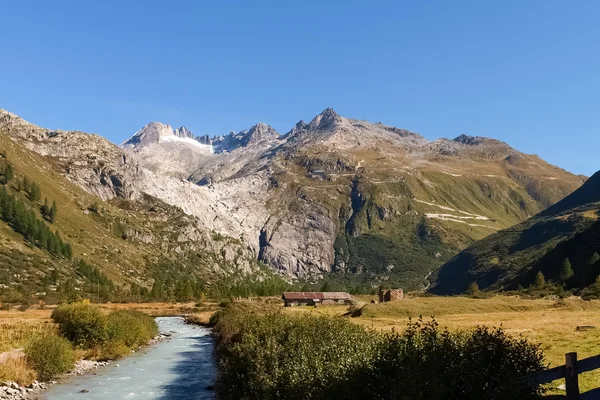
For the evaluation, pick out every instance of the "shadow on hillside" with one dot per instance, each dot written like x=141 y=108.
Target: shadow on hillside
x=195 y=373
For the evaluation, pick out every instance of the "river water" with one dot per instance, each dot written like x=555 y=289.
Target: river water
x=178 y=368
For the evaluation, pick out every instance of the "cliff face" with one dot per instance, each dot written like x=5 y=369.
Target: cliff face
x=334 y=194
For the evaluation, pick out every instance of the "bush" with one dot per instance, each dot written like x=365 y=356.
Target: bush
x=281 y=357
x=277 y=356
x=132 y=328
x=426 y=363
x=113 y=350
x=81 y=323
x=50 y=356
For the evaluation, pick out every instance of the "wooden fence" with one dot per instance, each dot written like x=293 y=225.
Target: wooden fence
x=570 y=371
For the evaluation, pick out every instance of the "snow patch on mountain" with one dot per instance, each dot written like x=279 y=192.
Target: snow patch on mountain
x=176 y=139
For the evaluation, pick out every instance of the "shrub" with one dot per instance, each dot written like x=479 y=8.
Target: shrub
x=425 y=362
x=50 y=355
x=132 y=328
x=277 y=356
x=81 y=323
x=113 y=350
x=281 y=357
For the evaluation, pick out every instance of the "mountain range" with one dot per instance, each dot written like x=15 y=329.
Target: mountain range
x=372 y=203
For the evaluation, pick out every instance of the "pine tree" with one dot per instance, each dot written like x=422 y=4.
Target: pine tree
x=68 y=251
x=35 y=193
x=25 y=186
x=45 y=208
x=540 y=280
x=54 y=276
x=43 y=235
x=325 y=287
x=3 y=202
x=566 y=271
x=7 y=174
x=157 y=291
x=52 y=212
x=69 y=291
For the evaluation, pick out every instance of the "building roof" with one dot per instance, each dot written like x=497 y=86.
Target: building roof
x=315 y=296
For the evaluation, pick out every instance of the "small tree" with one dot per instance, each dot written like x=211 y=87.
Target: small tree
x=566 y=271
x=25 y=184
x=52 y=212
x=594 y=259
x=473 y=288
x=540 y=280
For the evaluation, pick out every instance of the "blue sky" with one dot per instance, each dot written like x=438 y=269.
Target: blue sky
x=526 y=72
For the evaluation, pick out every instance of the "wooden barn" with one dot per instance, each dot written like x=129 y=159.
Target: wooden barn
x=313 y=298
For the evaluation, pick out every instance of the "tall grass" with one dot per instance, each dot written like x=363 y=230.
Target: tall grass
x=16 y=369
x=16 y=335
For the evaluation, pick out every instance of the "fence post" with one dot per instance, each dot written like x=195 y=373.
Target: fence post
x=572 y=378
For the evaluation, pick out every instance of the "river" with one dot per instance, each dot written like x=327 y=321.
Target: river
x=178 y=368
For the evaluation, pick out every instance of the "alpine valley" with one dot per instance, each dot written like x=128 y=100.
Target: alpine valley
x=364 y=203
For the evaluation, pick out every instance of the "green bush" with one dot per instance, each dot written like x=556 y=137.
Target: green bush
x=50 y=356
x=281 y=357
x=277 y=356
x=132 y=328
x=426 y=363
x=81 y=323
x=113 y=350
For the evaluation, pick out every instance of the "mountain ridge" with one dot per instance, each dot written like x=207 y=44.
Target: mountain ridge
x=363 y=200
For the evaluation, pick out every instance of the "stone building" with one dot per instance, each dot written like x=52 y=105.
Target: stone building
x=386 y=295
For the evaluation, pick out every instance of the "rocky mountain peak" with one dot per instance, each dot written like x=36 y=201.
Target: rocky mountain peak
x=151 y=133
x=259 y=132
x=184 y=132
x=326 y=120
x=473 y=140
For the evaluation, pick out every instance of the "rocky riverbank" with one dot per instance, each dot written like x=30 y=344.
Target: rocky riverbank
x=13 y=391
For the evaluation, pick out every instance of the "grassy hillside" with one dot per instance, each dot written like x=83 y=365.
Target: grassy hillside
x=118 y=247
x=562 y=243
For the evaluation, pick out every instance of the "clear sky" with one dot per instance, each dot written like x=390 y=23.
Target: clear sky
x=526 y=72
